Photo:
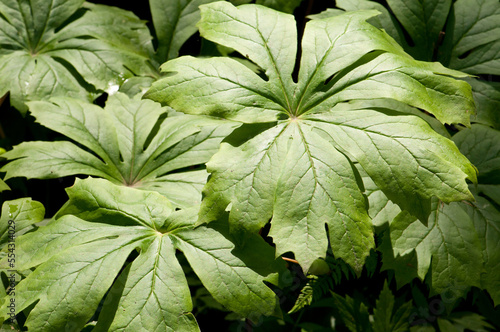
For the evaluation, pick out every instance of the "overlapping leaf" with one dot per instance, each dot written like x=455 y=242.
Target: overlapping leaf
x=481 y=145
x=448 y=246
x=59 y=48
x=469 y=41
x=296 y=166
x=17 y=215
x=174 y=21
x=458 y=246
x=129 y=142
x=472 y=40
x=79 y=254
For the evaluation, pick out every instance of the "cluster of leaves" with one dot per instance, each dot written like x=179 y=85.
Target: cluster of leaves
x=361 y=148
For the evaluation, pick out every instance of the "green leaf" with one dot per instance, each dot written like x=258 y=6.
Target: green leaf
x=3 y=186
x=17 y=216
x=448 y=246
x=385 y=318
x=384 y=21
x=59 y=48
x=423 y=20
x=486 y=218
x=287 y=6
x=293 y=161
x=174 y=22
x=93 y=237
x=134 y=143
x=305 y=297
x=472 y=42
x=352 y=312
x=463 y=321
x=487 y=98
x=481 y=145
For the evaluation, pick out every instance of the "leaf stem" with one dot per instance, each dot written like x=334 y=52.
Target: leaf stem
x=290 y=260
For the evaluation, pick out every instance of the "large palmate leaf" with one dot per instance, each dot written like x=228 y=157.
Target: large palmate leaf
x=59 y=47
x=129 y=142
x=292 y=161
x=89 y=242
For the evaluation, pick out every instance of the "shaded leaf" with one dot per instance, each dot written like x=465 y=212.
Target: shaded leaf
x=460 y=322
x=481 y=145
x=352 y=312
x=448 y=247
x=487 y=98
x=174 y=22
x=129 y=142
x=384 y=21
x=385 y=317
x=423 y=20
x=472 y=40
x=486 y=218
x=287 y=6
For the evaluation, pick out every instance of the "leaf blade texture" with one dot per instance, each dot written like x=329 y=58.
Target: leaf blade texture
x=43 y=54
x=129 y=142
x=300 y=139
x=89 y=242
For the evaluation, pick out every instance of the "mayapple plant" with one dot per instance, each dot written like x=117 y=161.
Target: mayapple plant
x=334 y=147
x=293 y=161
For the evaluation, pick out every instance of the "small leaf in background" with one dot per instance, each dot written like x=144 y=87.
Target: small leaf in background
x=129 y=142
x=306 y=295
x=89 y=242
x=287 y=6
x=472 y=39
x=386 y=318
x=174 y=22
x=460 y=322
x=298 y=167
x=481 y=145
x=68 y=48
x=487 y=97
x=352 y=312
